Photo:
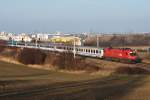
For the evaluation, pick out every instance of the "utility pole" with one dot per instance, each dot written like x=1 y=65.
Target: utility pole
x=36 y=42
x=97 y=41
x=25 y=42
x=74 y=48
x=12 y=42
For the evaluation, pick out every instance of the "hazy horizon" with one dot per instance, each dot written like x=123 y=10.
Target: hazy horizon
x=75 y=15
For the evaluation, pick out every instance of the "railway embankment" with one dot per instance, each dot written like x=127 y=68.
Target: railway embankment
x=66 y=62
x=46 y=60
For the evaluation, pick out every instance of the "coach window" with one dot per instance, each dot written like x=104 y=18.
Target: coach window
x=79 y=49
x=92 y=51
x=96 y=51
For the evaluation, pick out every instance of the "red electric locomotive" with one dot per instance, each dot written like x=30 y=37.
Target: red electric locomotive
x=121 y=54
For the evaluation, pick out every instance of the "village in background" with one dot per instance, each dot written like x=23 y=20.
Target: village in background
x=84 y=38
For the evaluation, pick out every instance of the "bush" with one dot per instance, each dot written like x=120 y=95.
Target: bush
x=8 y=51
x=31 y=56
x=119 y=40
x=2 y=48
x=63 y=60
x=67 y=61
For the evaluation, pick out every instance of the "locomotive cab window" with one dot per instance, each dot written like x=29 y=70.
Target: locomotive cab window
x=133 y=54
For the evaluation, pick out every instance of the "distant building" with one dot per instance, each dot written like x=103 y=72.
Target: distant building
x=42 y=37
x=3 y=36
x=22 y=37
x=66 y=40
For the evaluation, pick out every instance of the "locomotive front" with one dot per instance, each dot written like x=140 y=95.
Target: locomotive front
x=133 y=56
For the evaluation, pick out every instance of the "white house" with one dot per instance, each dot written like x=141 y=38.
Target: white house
x=42 y=37
x=22 y=37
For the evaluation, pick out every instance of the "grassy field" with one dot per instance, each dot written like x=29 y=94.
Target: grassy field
x=22 y=72
x=90 y=87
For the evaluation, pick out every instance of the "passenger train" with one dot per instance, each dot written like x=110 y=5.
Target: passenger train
x=117 y=54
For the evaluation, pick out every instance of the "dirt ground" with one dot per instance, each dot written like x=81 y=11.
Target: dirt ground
x=19 y=82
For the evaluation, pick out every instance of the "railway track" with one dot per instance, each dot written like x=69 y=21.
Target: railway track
x=57 y=89
x=73 y=90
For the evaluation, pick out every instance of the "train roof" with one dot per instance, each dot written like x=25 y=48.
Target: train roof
x=62 y=45
x=120 y=49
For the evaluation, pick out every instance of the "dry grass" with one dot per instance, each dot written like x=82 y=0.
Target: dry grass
x=9 y=60
x=131 y=70
x=23 y=72
x=103 y=87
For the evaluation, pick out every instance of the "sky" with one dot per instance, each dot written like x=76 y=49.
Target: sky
x=75 y=15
